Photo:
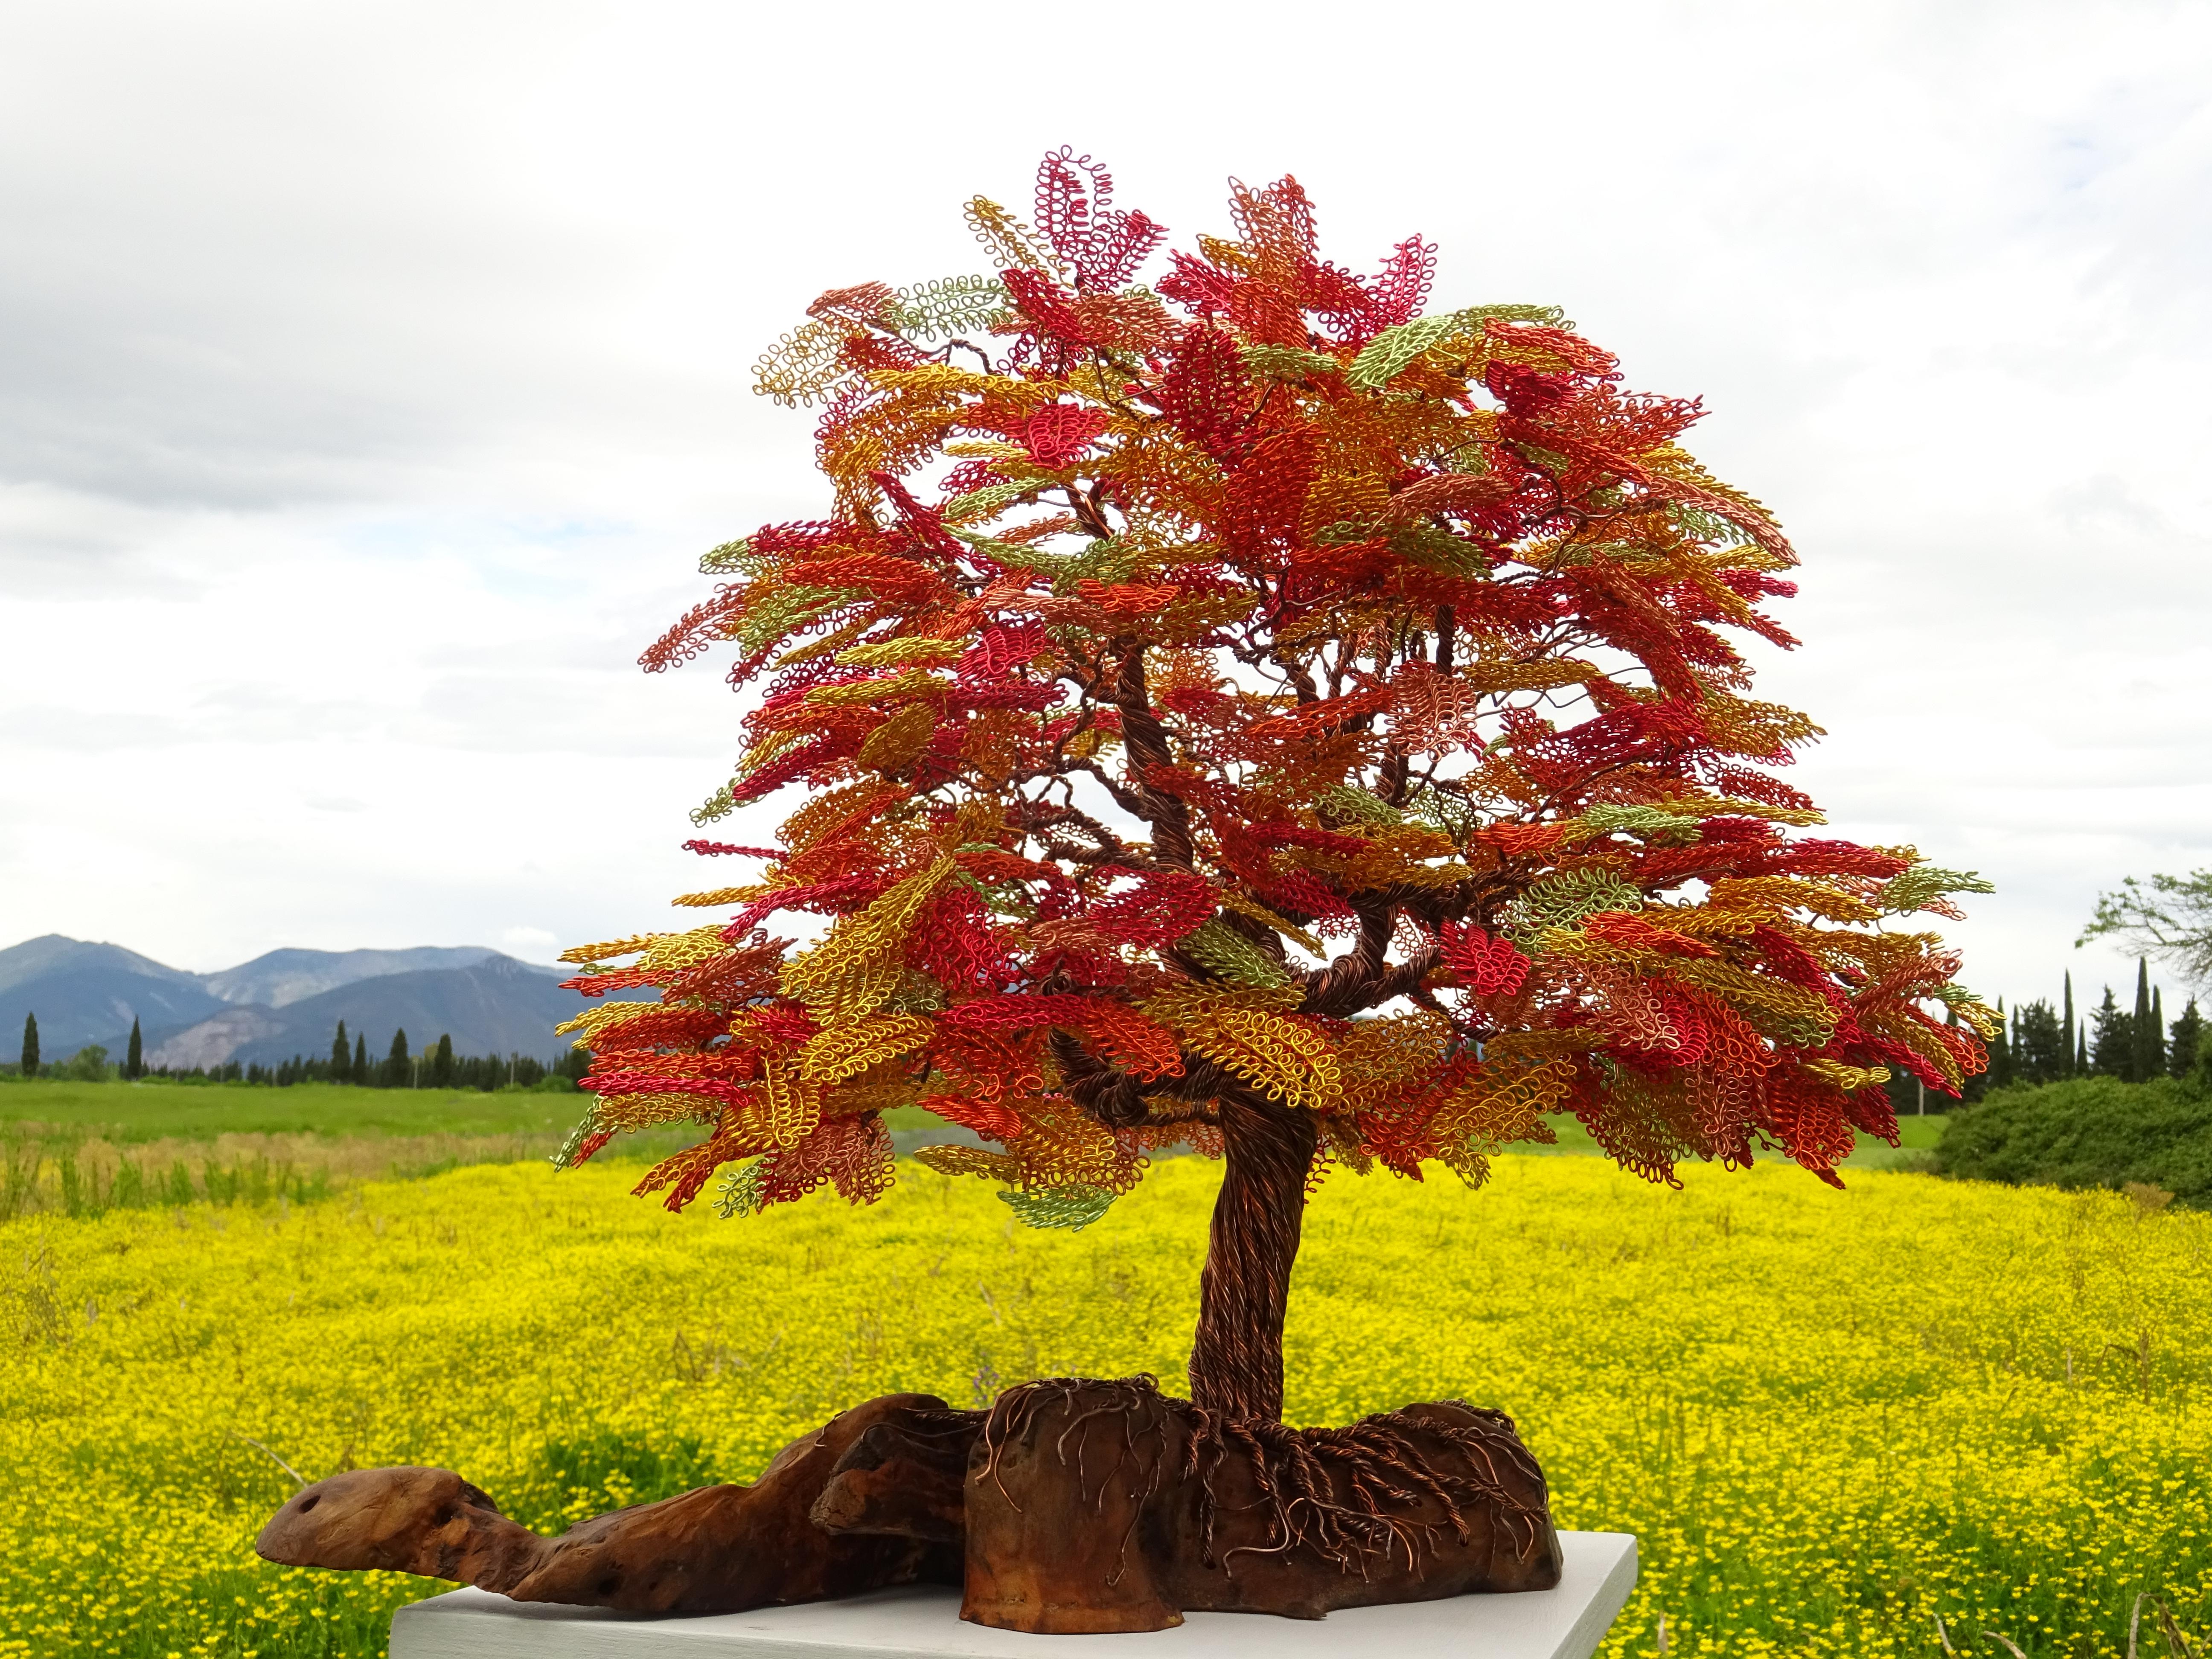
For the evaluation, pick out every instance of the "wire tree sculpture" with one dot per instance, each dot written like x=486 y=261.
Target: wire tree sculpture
x=1252 y=711
x=1256 y=711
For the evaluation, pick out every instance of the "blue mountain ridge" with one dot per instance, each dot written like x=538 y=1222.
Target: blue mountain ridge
x=284 y=1003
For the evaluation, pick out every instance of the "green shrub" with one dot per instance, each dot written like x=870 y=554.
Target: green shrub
x=88 y=1064
x=2087 y=1132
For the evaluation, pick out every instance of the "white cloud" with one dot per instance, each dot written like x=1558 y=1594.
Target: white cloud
x=531 y=943
x=370 y=379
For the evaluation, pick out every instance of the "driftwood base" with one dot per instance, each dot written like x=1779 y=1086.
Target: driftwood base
x=1070 y=1506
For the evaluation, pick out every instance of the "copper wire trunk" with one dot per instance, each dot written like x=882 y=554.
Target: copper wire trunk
x=1236 y=1356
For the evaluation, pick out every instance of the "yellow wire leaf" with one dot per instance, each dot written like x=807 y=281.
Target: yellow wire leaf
x=852 y=971
x=893 y=653
x=599 y=1016
x=904 y=735
x=786 y=1106
x=1291 y=1059
x=849 y=1048
x=913 y=683
x=1848 y=1079
x=1011 y=243
x=969 y=1160
x=1505 y=1100
x=613 y=947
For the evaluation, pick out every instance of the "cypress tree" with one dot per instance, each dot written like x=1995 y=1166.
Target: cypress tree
x=361 y=1059
x=442 y=1063
x=2182 y=1044
x=341 y=1055
x=2155 y=1055
x=2068 y=1033
x=2112 y=1045
x=134 y=1056
x=2003 y=1064
x=2143 y=1041
x=2040 y=1054
x=395 y=1063
x=30 y=1045
x=2081 y=1054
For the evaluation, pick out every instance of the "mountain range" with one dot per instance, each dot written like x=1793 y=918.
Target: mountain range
x=284 y=1003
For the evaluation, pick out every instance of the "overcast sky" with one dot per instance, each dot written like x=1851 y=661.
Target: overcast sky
x=371 y=377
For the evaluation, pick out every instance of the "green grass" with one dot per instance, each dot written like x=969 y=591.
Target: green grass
x=79 y=1149
x=1917 y=1138
x=127 y=1113
x=154 y=1110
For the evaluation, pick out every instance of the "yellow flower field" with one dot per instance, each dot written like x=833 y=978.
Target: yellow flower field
x=1830 y=1417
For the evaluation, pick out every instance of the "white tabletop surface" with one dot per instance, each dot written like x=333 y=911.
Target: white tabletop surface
x=923 y=1622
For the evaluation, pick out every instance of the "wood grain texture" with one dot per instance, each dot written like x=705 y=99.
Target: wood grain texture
x=1073 y=1506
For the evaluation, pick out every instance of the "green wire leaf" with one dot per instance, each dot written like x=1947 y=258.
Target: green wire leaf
x=1362 y=804
x=719 y=804
x=1391 y=352
x=938 y=310
x=1072 y=1207
x=739 y=1192
x=1648 y=822
x=1909 y=889
x=985 y=503
x=1562 y=900
x=730 y=558
x=1279 y=363
x=1232 y=956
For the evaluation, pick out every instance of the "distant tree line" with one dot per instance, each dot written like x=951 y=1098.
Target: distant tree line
x=435 y=1067
x=2043 y=1044
x=2083 y=1125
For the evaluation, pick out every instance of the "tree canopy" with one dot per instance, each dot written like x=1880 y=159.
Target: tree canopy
x=2169 y=917
x=1254 y=684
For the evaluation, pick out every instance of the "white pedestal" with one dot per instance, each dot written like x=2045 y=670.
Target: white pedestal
x=923 y=1622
